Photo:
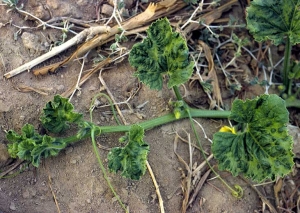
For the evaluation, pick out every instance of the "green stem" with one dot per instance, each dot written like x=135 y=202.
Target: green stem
x=286 y=65
x=168 y=118
x=177 y=93
x=104 y=171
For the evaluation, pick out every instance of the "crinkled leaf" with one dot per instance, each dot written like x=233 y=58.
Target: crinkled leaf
x=274 y=20
x=58 y=114
x=262 y=148
x=162 y=52
x=131 y=159
x=49 y=147
x=31 y=146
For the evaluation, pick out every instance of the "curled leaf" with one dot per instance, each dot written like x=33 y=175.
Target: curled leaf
x=162 y=52
x=131 y=159
x=261 y=148
x=31 y=146
x=58 y=114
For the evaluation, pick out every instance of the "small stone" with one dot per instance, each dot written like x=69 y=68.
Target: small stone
x=22 y=118
x=32 y=42
x=88 y=201
x=53 y=4
x=127 y=3
x=69 y=150
x=26 y=194
x=4 y=107
x=82 y=2
x=13 y=206
x=107 y=9
x=60 y=87
x=73 y=161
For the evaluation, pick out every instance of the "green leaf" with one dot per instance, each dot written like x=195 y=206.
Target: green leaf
x=31 y=146
x=130 y=160
x=162 y=52
x=274 y=20
x=57 y=115
x=49 y=147
x=262 y=147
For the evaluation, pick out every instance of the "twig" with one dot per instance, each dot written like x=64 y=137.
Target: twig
x=79 y=76
x=56 y=50
x=86 y=77
x=160 y=200
x=111 y=96
x=2 y=174
x=199 y=186
x=202 y=164
x=262 y=197
x=200 y=7
x=53 y=194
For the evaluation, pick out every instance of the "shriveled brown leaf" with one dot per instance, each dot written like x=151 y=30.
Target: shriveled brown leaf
x=24 y=88
x=212 y=75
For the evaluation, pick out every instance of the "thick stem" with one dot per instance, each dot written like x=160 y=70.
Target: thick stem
x=177 y=93
x=286 y=65
x=168 y=118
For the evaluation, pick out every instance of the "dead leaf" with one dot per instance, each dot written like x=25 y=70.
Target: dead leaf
x=212 y=75
x=24 y=88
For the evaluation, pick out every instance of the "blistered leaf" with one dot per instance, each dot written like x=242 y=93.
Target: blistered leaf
x=162 y=52
x=274 y=20
x=131 y=159
x=58 y=114
x=49 y=147
x=261 y=147
x=31 y=146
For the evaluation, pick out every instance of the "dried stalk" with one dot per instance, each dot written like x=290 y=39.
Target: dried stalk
x=160 y=200
x=87 y=33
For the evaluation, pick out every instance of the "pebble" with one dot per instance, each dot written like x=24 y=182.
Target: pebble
x=53 y=4
x=106 y=9
x=82 y=2
x=73 y=161
x=26 y=194
x=60 y=87
x=13 y=206
x=69 y=150
x=4 y=107
x=127 y=3
x=32 y=42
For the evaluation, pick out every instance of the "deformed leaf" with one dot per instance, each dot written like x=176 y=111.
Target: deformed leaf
x=32 y=146
x=57 y=115
x=162 y=52
x=261 y=148
x=131 y=159
x=274 y=20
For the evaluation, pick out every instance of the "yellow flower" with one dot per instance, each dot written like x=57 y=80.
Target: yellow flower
x=228 y=129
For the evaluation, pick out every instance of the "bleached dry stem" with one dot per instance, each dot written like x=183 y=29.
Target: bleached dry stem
x=160 y=200
x=87 y=33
